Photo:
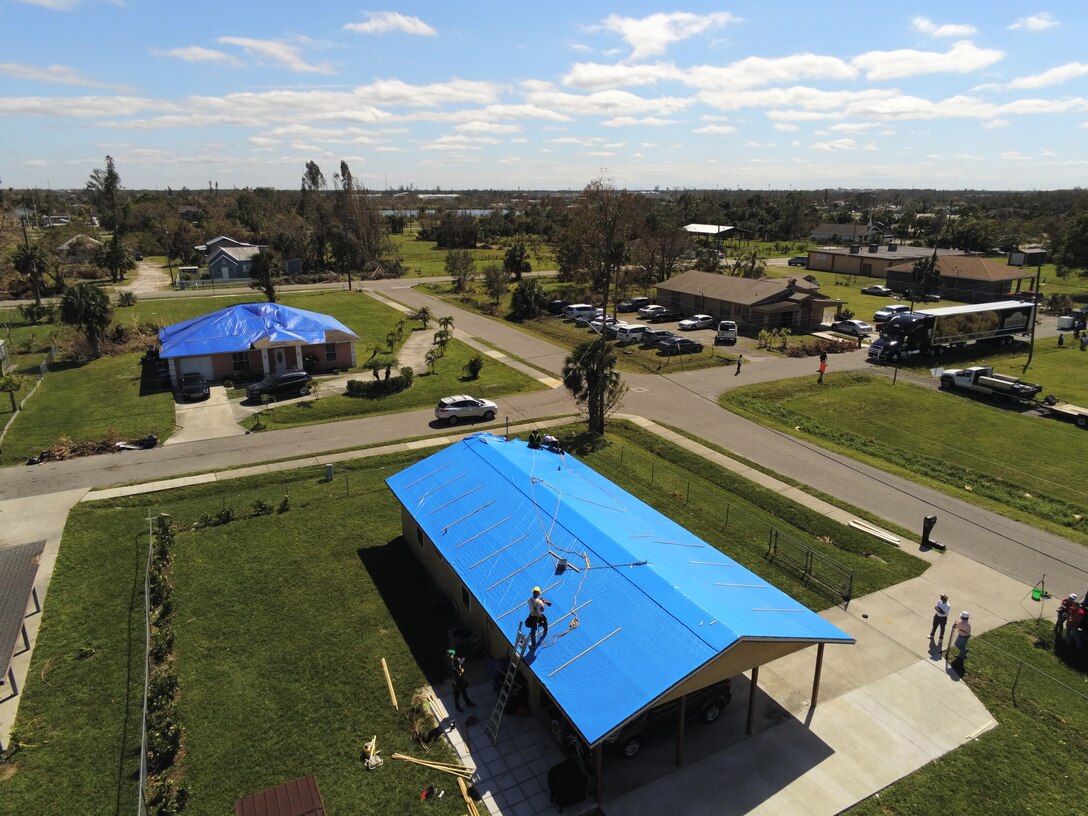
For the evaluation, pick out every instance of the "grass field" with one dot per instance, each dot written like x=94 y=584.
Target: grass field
x=427 y=388
x=1033 y=762
x=281 y=621
x=1019 y=466
x=564 y=333
x=427 y=258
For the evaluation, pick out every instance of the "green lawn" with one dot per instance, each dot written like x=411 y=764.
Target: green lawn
x=1032 y=763
x=428 y=258
x=281 y=621
x=564 y=333
x=1019 y=466
x=427 y=388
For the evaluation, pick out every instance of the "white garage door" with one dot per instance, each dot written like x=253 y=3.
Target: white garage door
x=197 y=365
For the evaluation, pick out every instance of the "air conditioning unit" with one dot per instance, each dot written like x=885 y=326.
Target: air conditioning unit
x=893 y=247
x=874 y=247
x=855 y=249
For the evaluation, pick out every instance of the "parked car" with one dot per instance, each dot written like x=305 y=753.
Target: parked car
x=890 y=311
x=137 y=256
x=727 y=333
x=632 y=305
x=857 y=328
x=679 y=345
x=877 y=289
x=585 y=319
x=194 y=386
x=699 y=321
x=653 y=308
x=663 y=316
x=462 y=406
x=705 y=705
x=798 y=260
x=556 y=307
x=631 y=333
x=573 y=311
x=651 y=337
x=930 y=298
x=601 y=323
x=285 y=384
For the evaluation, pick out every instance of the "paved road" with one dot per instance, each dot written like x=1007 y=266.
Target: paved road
x=682 y=399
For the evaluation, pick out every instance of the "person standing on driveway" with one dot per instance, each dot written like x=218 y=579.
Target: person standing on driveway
x=456 y=667
x=940 y=617
x=1068 y=602
x=961 y=632
x=537 y=617
x=740 y=361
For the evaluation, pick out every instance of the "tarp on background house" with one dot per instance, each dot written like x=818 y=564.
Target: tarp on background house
x=654 y=602
x=251 y=325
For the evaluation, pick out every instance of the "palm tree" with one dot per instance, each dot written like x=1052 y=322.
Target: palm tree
x=424 y=316
x=31 y=262
x=88 y=308
x=431 y=357
x=446 y=323
x=590 y=375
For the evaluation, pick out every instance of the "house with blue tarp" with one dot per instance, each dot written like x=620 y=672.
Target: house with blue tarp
x=251 y=340
x=643 y=611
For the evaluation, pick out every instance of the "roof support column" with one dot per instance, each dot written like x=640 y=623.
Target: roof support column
x=680 y=731
x=816 y=675
x=264 y=361
x=598 y=781
x=752 y=700
x=298 y=357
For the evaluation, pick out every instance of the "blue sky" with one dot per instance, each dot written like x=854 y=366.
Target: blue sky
x=748 y=94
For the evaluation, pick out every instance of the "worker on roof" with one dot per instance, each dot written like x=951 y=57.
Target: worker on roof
x=537 y=617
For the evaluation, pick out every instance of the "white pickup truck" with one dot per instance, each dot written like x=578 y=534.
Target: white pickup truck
x=983 y=380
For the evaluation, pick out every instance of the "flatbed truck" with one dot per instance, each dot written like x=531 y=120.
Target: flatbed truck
x=1000 y=387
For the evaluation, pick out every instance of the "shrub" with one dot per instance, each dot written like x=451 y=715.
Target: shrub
x=163 y=737
x=228 y=384
x=162 y=641
x=285 y=505
x=473 y=367
x=162 y=687
x=261 y=508
x=845 y=313
x=35 y=313
x=126 y=298
x=224 y=516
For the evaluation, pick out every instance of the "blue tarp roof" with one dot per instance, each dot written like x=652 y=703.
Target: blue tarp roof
x=656 y=604
x=239 y=328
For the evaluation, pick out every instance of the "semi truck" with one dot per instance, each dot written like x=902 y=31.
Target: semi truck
x=933 y=331
x=983 y=380
x=1001 y=387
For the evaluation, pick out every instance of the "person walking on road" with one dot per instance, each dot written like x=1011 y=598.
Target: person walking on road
x=537 y=617
x=740 y=361
x=456 y=667
x=940 y=617
x=961 y=633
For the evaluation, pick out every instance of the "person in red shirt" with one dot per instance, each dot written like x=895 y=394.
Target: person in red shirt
x=1068 y=602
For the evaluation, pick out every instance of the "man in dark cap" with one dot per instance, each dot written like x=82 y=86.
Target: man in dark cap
x=457 y=675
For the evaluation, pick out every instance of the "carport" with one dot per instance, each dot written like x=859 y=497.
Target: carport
x=642 y=612
x=18 y=571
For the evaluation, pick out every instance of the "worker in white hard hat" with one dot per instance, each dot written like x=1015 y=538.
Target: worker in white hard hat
x=536 y=616
x=961 y=634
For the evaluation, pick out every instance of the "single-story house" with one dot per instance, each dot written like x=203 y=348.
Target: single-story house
x=1027 y=256
x=643 y=612
x=967 y=278
x=869 y=260
x=79 y=249
x=843 y=233
x=766 y=303
x=251 y=340
x=227 y=258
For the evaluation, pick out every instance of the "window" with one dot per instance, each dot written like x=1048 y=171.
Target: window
x=240 y=359
x=330 y=352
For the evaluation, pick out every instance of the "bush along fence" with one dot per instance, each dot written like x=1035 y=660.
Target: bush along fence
x=161 y=792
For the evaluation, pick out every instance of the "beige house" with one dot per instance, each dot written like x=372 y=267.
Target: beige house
x=767 y=303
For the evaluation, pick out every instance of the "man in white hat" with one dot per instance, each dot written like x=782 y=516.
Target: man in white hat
x=1068 y=602
x=537 y=617
x=961 y=632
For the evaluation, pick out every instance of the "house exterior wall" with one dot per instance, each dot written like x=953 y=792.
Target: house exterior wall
x=343 y=357
x=863 y=263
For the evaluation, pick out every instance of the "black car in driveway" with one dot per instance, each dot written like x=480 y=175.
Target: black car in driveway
x=705 y=705
x=679 y=345
x=194 y=386
x=663 y=316
x=632 y=305
x=284 y=384
x=556 y=307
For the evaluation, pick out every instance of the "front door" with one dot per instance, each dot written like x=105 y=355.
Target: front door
x=281 y=360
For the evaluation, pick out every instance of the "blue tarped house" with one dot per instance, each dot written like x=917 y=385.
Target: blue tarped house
x=643 y=611
x=251 y=340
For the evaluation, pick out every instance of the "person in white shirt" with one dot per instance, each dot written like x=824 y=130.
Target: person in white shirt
x=940 y=616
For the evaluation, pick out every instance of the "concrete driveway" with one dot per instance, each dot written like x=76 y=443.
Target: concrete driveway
x=212 y=418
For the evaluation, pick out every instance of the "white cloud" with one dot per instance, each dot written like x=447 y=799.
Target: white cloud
x=962 y=58
x=285 y=54
x=648 y=121
x=853 y=127
x=263 y=141
x=477 y=126
x=1036 y=22
x=611 y=103
x=652 y=35
x=1015 y=155
x=581 y=48
x=837 y=144
x=59 y=74
x=56 y=5
x=927 y=26
x=716 y=130
x=593 y=75
x=79 y=107
x=1052 y=76
x=967 y=157
x=196 y=53
x=786 y=127
x=383 y=22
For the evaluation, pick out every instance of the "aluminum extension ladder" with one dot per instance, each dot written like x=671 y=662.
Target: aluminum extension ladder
x=493 y=725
